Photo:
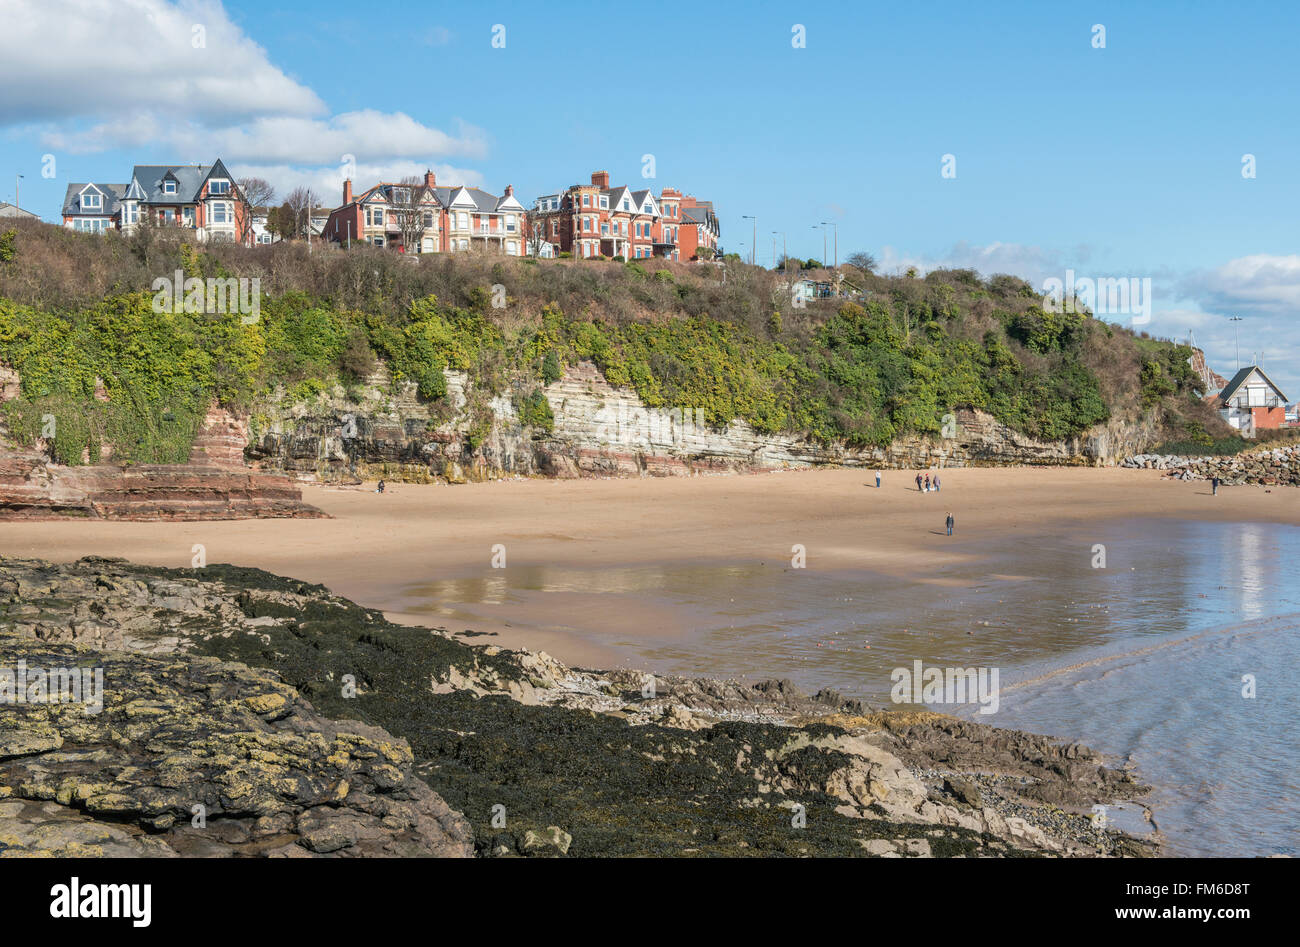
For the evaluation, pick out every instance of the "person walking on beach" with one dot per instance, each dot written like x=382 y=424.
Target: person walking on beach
x=1214 y=486
x=948 y=523
x=918 y=483
x=936 y=483
x=877 y=479
x=381 y=487
x=927 y=483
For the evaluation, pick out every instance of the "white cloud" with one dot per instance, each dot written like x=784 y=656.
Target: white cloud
x=89 y=76
x=67 y=59
x=1261 y=284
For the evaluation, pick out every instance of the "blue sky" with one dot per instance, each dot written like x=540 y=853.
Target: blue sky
x=1122 y=161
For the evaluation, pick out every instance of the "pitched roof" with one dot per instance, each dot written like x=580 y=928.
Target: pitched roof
x=9 y=210
x=1239 y=379
x=189 y=181
x=112 y=199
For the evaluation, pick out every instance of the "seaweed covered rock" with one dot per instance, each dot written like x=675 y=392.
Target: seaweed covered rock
x=466 y=748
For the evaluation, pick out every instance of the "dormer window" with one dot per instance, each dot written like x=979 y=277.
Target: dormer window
x=626 y=205
x=401 y=195
x=218 y=186
x=169 y=186
x=604 y=201
x=92 y=202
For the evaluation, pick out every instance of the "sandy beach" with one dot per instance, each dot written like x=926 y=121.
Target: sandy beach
x=397 y=550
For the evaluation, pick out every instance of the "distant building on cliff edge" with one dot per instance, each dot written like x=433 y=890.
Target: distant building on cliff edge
x=204 y=198
x=596 y=219
x=421 y=217
x=1250 y=402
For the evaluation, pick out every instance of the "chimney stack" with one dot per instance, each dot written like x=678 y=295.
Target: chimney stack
x=429 y=179
x=600 y=179
x=347 y=191
x=510 y=190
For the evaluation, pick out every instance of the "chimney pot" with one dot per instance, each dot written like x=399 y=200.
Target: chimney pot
x=347 y=191
x=430 y=180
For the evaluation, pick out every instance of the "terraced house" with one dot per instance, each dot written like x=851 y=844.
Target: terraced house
x=202 y=198
x=596 y=219
x=421 y=217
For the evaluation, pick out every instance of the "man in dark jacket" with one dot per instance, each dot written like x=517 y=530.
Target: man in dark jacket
x=948 y=523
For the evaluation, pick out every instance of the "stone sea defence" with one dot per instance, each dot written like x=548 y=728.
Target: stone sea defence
x=1278 y=466
x=600 y=430
x=241 y=713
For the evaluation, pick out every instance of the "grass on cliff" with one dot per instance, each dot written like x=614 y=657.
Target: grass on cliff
x=75 y=311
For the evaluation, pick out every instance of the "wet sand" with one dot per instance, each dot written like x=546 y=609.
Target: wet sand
x=404 y=550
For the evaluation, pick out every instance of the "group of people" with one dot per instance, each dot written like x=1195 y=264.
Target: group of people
x=925 y=485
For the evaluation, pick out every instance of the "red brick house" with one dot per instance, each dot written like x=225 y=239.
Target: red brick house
x=596 y=219
x=430 y=218
x=1250 y=402
x=202 y=198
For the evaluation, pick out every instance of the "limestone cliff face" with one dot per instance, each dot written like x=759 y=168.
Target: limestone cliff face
x=604 y=431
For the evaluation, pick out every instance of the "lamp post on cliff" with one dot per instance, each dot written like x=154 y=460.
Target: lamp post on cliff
x=1237 y=330
x=754 y=245
x=822 y=228
x=831 y=223
x=18 y=204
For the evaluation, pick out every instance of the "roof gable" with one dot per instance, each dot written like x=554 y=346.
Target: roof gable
x=1245 y=375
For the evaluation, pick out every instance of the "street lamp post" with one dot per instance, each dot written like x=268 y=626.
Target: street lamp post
x=754 y=245
x=837 y=241
x=1237 y=331
x=18 y=204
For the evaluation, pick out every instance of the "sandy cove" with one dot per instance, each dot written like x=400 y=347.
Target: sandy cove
x=376 y=548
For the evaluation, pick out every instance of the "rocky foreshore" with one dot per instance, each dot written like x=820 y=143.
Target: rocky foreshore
x=241 y=713
x=1278 y=466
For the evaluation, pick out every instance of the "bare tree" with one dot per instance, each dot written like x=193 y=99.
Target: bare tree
x=301 y=200
x=258 y=192
x=537 y=238
x=410 y=202
x=863 y=261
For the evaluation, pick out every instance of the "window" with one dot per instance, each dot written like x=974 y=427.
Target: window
x=189 y=216
x=428 y=220
x=218 y=186
x=512 y=248
x=221 y=212
x=604 y=201
x=91 y=201
x=401 y=195
x=167 y=216
x=586 y=200
x=555 y=228
x=374 y=216
x=464 y=244
x=169 y=186
x=377 y=241
x=462 y=221
x=604 y=228
x=626 y=205
x=510 y=223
